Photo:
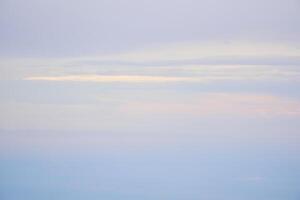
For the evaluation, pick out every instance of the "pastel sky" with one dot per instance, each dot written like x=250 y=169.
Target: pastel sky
x=152 y=100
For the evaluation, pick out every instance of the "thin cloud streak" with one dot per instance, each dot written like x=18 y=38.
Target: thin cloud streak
x=191 y=74
x=108 y=78
x=187 y=51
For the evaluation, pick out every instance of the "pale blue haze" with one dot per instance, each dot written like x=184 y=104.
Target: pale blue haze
x=150 y=100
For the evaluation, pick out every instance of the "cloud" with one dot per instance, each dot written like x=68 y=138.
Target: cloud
x=215 y=104
x=200 y=50
x=192 y=73
x=147 y=111
x=115 y=78
x=175 y=62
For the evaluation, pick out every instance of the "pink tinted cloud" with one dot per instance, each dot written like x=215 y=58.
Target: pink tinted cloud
x=219 y=104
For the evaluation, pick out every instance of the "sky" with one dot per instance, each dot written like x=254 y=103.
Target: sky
x=152 y=100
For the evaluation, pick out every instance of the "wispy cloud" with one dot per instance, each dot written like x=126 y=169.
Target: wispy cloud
x=115 y=78
x=179 y=74
x=210 y=104
x=187 y=62
x=135 y=110
x=208 y=50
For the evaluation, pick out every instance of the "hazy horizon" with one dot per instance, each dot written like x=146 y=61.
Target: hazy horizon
x=150 y=100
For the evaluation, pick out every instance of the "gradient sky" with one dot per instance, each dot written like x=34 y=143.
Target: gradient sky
x=151 y=100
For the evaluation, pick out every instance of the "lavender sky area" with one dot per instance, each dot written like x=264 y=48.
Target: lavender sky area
x=150 y=100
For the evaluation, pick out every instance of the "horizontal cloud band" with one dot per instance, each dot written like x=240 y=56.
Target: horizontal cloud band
x=202 y=76
x=108 y=78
